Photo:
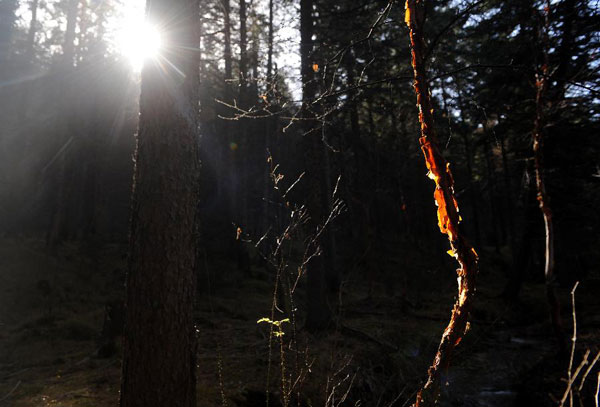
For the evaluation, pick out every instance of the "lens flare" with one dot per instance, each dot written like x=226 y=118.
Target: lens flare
x=139 y=42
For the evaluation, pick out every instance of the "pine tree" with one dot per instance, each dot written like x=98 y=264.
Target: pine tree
x=160 y=347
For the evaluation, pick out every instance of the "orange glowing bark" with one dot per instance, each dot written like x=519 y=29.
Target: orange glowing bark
x=447 y=211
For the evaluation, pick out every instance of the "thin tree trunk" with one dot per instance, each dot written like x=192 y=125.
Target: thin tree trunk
x=83 y=27
x=542 y=196
x=58 y=226
x=492 y=189
x=473 y=186
x=448 y=217
x=241 y=166
x=243 y=53
x=30 y=52
x=8 y=18
x=566 y=49
x=513 y=286
x=69 y=42
x=270 y=125
x=318 y=311
x=227 y=33
x=231 y=144
x=355 y=203
x=473 y=190
x=159 y=363
x=27 y=87
x=270 y=46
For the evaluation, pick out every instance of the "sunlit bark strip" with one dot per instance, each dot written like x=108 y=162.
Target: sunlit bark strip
x=542 y=196
x=448 y=216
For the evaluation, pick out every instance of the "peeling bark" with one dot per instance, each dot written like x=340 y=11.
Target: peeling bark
x=448 y=216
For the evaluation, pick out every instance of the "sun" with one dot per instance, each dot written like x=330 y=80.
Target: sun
x=138 y=41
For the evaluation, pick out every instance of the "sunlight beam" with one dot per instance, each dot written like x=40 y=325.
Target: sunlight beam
x=138 y=41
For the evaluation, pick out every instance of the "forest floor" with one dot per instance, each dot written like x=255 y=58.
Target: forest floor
x=52 y=311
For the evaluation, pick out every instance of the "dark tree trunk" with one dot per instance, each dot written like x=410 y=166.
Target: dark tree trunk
x=159 y=364
x=354 y=172
x=8 y=18
x=473 y=186
x=510 y=208
x=542 y=195
x=69 y=42
x=270 y=125
x=30 y=53
x=57 y=232
x=318 y=311
x=241 y=158
x=89 y=206
x=566 y=49
x=227 y=34
x=83 y=28
x=270 y=46
x=493 y=198
x=243 y=53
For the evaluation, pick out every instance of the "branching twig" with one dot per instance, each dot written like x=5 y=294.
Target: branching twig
x=588 y=370
x=571 y=381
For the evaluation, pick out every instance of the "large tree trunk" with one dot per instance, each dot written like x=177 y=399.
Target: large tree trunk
x=448 y=217
x=159 y=364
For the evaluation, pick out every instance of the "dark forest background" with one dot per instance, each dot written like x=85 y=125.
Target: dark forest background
x=369 y=327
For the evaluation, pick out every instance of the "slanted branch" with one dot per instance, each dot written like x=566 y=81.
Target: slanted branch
x=447 y=211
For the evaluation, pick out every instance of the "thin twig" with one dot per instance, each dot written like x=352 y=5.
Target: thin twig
x=597 y=389
x=589 y=369
x=569 y=389
x=11 y=392
x=574 y=337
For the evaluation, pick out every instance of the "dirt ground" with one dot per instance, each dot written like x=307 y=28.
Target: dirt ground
x=52 y=310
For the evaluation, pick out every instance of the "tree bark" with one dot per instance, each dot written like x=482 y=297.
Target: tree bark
x=270 y=46
x=8 y=18
x=243 y=53
x=497 y=240
x=58 y=231
x=513 y=285
x=227 y=34
x=542 y=195
x=318 y=311
x=448 y=217
x=69 y=42
x=30 y=52
x=159 y=364
x=473 y=185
